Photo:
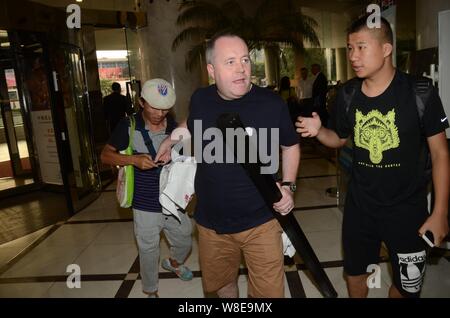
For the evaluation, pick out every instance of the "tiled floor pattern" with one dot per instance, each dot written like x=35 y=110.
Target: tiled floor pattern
x=100 y=241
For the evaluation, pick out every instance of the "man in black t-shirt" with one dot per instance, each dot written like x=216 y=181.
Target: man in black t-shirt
x=386 y=200
x=231 y=215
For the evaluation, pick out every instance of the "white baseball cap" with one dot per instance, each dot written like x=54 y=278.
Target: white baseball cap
x=158 y=93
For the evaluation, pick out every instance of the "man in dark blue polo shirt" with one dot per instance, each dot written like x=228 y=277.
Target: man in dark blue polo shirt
x=231 y=215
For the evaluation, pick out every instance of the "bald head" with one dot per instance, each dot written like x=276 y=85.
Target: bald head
x=210 y=46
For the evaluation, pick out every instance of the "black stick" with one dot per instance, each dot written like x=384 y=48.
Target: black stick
x=269 y=191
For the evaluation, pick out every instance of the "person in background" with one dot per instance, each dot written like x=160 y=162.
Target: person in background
x=116 y=106
x=319 y=93
x=287 y=93
x=304 y=93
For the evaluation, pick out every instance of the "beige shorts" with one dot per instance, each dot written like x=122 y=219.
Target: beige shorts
x=220 y=257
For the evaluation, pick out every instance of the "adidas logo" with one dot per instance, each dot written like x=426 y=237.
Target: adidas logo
x=412 y=259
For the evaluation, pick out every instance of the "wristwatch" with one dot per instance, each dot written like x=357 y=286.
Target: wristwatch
x=291 y=185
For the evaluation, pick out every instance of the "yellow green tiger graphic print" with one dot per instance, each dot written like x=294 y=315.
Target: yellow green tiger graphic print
x=376 y=133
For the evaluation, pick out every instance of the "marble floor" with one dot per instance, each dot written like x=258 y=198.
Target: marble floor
x=99 y=240
x=23 y=214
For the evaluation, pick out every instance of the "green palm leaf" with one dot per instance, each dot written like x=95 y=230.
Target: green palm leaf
x=279 y=21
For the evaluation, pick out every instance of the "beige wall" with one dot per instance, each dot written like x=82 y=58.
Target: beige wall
x=331 y=28
x=427 y=22
x=110 y=39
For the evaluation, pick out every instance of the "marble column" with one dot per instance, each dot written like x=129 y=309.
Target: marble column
x=329 y=61
x=272 y=64
x=158 y=59
x=299 y=58
x=350 y=72
x=341 y=64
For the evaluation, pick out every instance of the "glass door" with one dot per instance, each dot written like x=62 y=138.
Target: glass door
x=72 y=99
x=15 y=164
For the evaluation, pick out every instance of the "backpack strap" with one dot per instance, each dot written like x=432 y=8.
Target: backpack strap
x=171 y=125
x=148 y=142
x=422 y=90
x=129 y=150
x=349 y=91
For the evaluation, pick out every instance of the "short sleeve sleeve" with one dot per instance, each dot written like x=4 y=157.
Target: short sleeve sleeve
x=288 y=135
x=340 y=122
x=434 y=118
x=119 y=138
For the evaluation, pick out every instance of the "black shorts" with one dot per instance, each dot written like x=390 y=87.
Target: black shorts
x=365 y=226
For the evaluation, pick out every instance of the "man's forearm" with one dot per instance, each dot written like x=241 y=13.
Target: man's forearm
x=117 y=159
x=440 y=161
x=290 y=160
x=179 y=133
x=441 y=183
x=329 y=138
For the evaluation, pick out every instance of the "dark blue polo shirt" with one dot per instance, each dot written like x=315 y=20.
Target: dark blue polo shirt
x=227 y=199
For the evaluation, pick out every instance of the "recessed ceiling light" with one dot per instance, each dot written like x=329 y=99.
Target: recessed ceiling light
x=79 y=0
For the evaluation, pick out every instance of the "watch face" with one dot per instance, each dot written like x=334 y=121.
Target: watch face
x=292 y=186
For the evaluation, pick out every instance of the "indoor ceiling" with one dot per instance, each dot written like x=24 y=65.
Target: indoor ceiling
x=136 y=5
x=113 y=39
x=333 y=5
x=111 y=5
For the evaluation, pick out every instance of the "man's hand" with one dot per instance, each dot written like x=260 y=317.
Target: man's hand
x=286 y=204
x=437 y=225
x=143 y=162
x=308 y=126
x=180 y=133
x=164 y=151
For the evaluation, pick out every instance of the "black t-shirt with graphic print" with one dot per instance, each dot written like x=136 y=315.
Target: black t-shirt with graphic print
x=227 y=199
x=387 y=140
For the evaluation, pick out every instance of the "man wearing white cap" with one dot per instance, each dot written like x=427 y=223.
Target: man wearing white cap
x=152 y=125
